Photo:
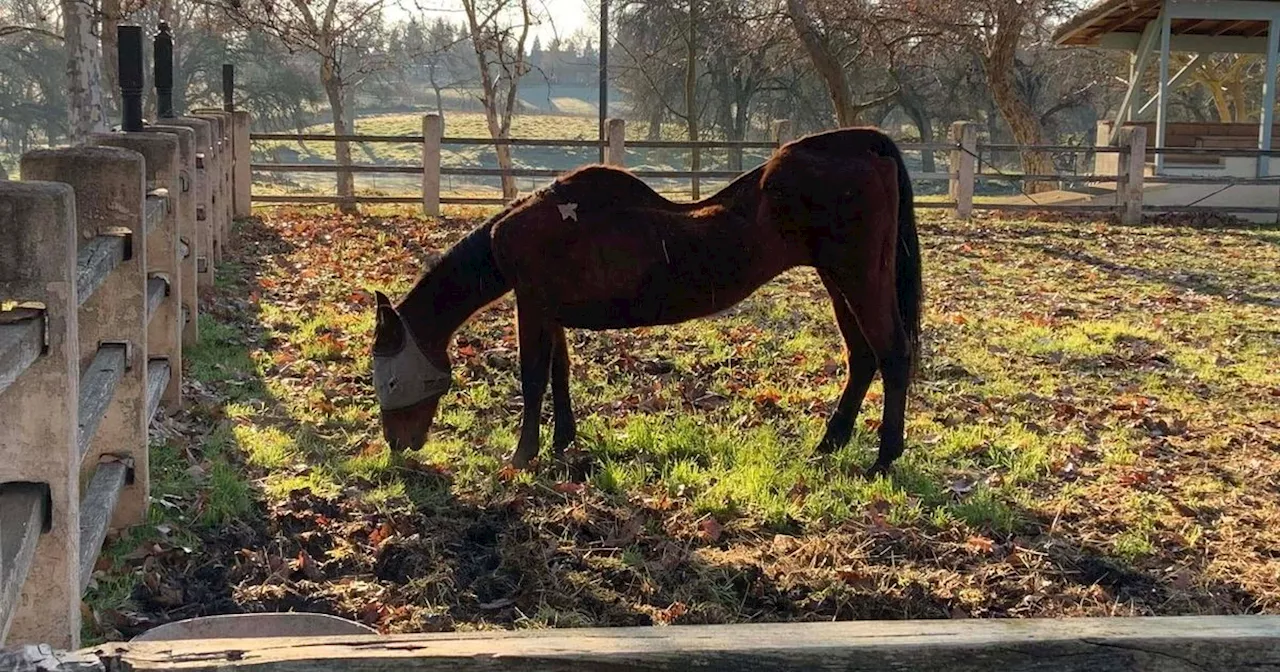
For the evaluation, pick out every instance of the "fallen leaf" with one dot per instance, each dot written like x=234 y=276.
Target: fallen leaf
x=569 y=488
x=980 y=544
x=710 y=530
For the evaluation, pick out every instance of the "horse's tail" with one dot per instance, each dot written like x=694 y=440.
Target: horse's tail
x=910 y=285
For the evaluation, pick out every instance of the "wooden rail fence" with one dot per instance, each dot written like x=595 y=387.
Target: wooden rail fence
x=968 y=163
x=104 y=249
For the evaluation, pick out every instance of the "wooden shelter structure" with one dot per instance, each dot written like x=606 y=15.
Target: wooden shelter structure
x=1151 y=30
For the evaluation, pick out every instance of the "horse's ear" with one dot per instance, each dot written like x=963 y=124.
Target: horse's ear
x=381 y=299
x=388 y=329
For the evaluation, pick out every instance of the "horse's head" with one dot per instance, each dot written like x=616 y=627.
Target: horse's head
x=408 y=381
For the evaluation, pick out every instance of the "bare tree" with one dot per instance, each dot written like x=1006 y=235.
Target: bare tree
x=995 y=31
x=499 y=29
x=335 y=32
x=835 y=43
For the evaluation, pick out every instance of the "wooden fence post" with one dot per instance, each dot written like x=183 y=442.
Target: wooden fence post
x=964 y=164
x=432 y=133
x=616 y=154
x=782 y=133
x=185 y=204
x=110 y=190
x=39 y=414
x=241 y=155
x=1131 y=170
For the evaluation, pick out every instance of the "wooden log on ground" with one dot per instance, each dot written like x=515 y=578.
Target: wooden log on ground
x=24 y=507
x=21 y=340
x=43 y=658
x=1169 y=644
x=96 y=506
x=98 y=388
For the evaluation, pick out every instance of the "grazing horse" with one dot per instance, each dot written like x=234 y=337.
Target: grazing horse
x=599 y=249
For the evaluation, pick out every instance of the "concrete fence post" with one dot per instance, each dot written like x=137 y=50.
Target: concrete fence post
x=188 y=234
x=241 y=150
x=164 y=334
x=39 y=416
x=782 y=132
x=616 y=152
x=218 y=170
x=205 y=237
x=964 y=167
x=110 y=191
x=432 y=134
x=1131 y=171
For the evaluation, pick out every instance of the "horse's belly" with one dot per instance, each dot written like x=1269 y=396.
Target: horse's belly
x=661 y=299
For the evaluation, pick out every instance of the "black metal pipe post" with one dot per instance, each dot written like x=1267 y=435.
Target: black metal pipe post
x=129 y=51
x=163 y=56
x=604 y=72
x=228 y=87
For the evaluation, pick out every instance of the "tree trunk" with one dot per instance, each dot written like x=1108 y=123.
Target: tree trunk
x=691 y=95
x=84 y=72
x=332 y=81
x=1023 y=122
x=655 y=123
x=824 y=62
x=110 y=55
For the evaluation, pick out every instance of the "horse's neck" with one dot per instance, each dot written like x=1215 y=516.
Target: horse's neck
x=740 y=196
x=465 y=280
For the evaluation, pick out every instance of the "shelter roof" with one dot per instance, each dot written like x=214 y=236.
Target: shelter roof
x=1086 y=28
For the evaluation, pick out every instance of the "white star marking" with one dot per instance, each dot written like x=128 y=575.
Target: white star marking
x=568 y=211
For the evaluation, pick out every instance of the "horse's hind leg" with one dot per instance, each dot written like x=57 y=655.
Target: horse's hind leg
x=536 y=340
x=862 y=369
x=562 y=409
x=874 y=303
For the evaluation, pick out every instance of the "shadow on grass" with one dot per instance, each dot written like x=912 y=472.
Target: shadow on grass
x=534 y=552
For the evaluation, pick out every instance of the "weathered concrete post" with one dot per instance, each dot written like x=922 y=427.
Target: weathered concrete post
x=222 y=172
x=164 y=334
x=1130 y=173
x=241 y=156
x=432 y=134
x=184 y=201
x=39 y=415
x=206 y=236
x=617 y=149
x=782 y=133
x=964 y=163
x=110 y=190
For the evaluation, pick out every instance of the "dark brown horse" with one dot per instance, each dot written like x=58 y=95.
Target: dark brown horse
x=599 y=249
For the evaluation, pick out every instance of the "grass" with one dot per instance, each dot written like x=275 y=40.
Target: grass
x=1093 y=433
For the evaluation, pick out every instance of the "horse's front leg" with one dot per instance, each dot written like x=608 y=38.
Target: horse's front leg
x=566 y=429
x=536 y=341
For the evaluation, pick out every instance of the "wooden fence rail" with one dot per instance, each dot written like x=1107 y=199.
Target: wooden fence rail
x=969 y=163
x=105 y=246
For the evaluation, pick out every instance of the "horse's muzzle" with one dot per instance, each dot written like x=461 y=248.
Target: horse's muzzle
x=407 y=428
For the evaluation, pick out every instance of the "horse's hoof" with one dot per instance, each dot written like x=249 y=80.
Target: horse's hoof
x=878 y=470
